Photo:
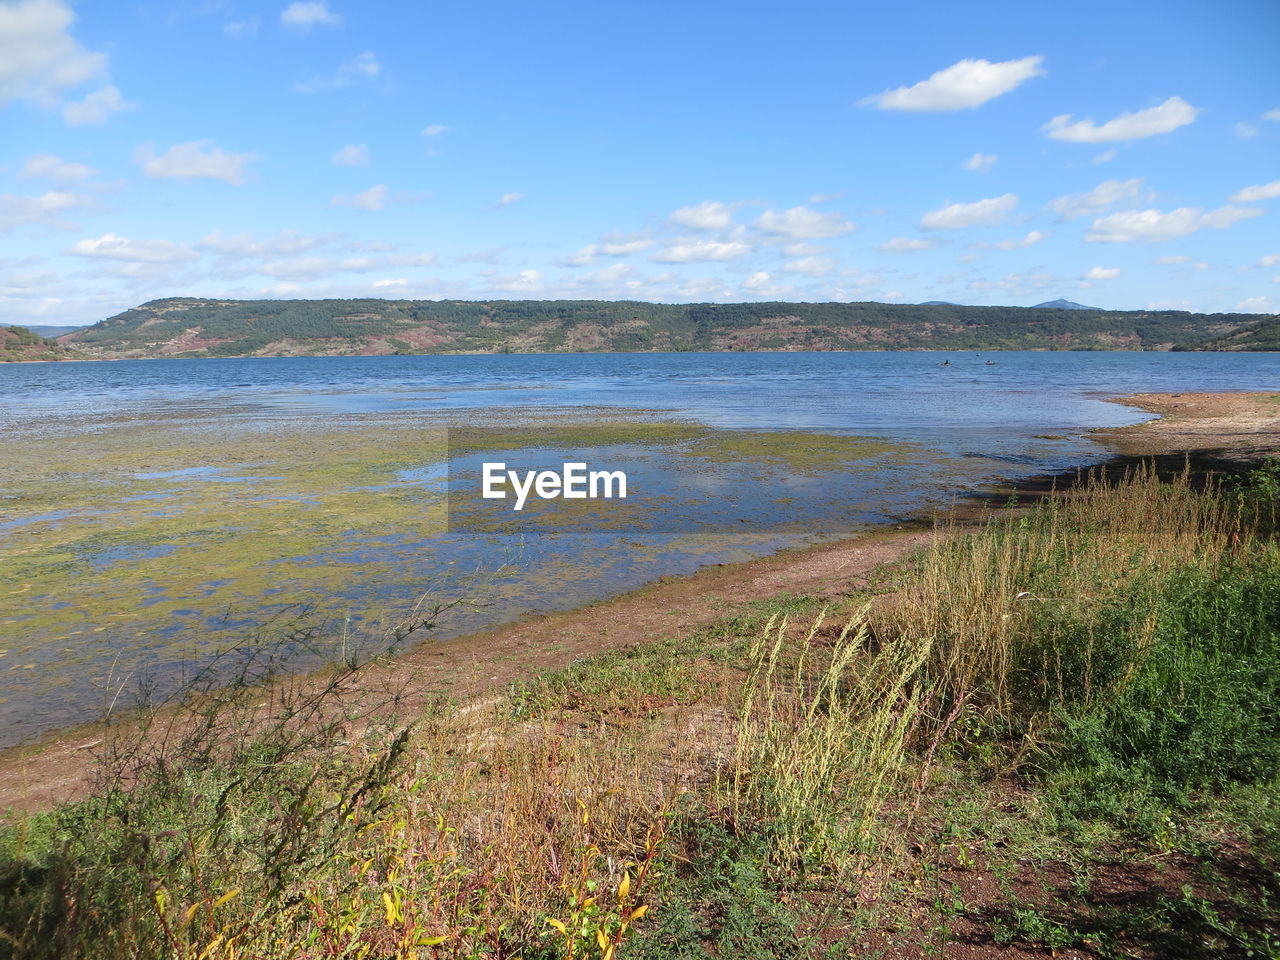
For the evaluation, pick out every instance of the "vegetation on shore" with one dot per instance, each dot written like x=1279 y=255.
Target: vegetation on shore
x=192 y=327
x=1088 y=686
x=19 y=344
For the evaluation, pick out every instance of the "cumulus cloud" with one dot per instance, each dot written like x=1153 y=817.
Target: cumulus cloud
x=614 y=245
x=980 y=213
x=701 y=251
x=97 y=108
x=434 y=130
x=803 y=223
x=981 y=162
x=961 y=86
x=1170 y=115
x=47 y=209
x=41 y=63
x=363 y=66
x=1270 y=260
x=1265 y=191
x=1102 y=273
x=303 y=16
x=1272 y=115
x=244 y=246
x=707 y=215
x=197 y=160
x=1156 y=226
x=1246 y=131
x=1092 y=202
x=526 y=281
x=507 y=199
x=906 y=244
x=352 y=155
x=51 y=167
x=112 y=247
x=1173 y=260
x=1018 y=243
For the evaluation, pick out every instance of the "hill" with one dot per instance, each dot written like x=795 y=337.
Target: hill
x=1061 y=304
x=1261 y=336
x=19 y=343
x=192 y=327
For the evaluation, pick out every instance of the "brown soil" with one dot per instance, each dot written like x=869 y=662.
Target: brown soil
x=1227 y=427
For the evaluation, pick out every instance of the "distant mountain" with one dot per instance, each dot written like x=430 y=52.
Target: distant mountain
x=52 y=332
x=19 y=343
x=939 y=303
x=1061 y=304
x=198 y=327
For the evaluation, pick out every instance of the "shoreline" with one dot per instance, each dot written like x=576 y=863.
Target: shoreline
x=1218 y=431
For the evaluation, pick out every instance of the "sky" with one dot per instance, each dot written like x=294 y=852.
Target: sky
x=1122 y=155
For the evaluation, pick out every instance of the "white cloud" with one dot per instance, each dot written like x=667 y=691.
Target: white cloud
x=112 y=247
x=40 y=61
x=303 y=16
x=244 y=246
x=434 y=130
x=312 y=268
x=1106 y=194
x=760 y=284
x=803 y=223
x=980 y=213
x=981 y=162
x=812 y=266
x=961 y=86
x=1273 y=115
x=526 y=281
x=352 y=155
x=707 y=215
x=1015 y=243
x=199 y=159
x=1265 y=191
x=1270 y=260
x=507 y=199
x=363 y=66
x=17 y=210
x=614 y=245
x=1173 y=260
x=48 y=166
x=1246 y=131
x=1155 y=226
x=695 y=250
x=96 y=108
x=1255 y=305
x=906 y=244
x=1170 y=115
x=1102 y=273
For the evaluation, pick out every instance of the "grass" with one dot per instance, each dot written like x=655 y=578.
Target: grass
x=1093 y=680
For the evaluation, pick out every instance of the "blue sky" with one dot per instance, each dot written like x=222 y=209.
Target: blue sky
x=1123 y=155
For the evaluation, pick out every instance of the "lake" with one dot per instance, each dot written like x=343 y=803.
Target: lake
x=155 y=515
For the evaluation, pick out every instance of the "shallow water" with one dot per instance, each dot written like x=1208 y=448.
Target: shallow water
x=152 y=513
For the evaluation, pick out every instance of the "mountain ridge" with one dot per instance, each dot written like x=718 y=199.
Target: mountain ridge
x=195 y=326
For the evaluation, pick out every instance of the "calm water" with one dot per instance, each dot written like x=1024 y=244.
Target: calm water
x=970 y=422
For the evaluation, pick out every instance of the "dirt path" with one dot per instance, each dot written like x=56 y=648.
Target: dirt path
x=1227 y=427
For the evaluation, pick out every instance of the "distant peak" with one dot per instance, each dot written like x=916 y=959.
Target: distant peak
x=1061 y=304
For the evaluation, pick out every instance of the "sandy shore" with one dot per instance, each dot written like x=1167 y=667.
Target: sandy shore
x=1216 y=429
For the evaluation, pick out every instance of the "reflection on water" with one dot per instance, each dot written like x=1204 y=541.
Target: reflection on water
x=230 y=517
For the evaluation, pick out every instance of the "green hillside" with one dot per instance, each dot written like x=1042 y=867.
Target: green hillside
x=1264 y=335
x=187 y=327
x=19 y=343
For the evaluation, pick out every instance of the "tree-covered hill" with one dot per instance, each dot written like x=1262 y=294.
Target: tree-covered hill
x=190 y=327
x=1263 y=335
x=19 y=343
